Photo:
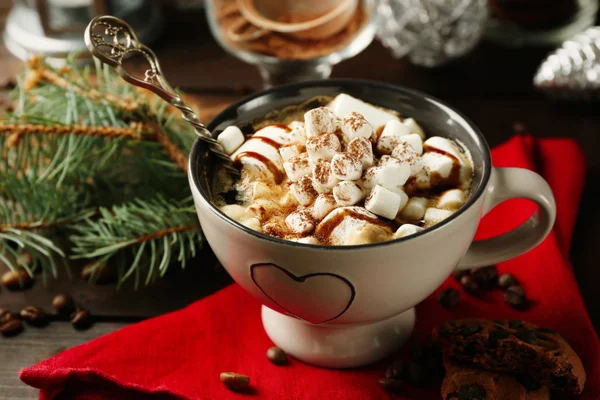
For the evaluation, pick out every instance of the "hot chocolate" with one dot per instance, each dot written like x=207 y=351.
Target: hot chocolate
x=341 y=172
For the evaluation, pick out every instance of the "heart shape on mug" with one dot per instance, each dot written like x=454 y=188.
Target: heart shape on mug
x=317 y=297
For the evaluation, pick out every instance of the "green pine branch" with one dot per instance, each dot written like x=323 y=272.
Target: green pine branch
x=84 y=157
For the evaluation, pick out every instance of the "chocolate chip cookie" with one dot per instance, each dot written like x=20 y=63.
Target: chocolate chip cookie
x=463 y=382
x=513 y=346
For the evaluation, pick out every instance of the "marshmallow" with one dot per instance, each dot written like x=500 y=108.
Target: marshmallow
x=275 y=133
x=392 y=176
x=322 y=206
x=324 y=146
x=407 y=229
x=437 y=164
x=346 y=167
x=297 y=134
x=414 y=141
x=388 y=160
x=344 y=104
x=414 y=209
x=363 y=149
x=287 y=152
x=261 y=190
x=368 y=180
x=443 y=145
x=323 y=174
x=304 y=191
x=355 y=125
x=434 y=215
x=383 y=202
x=413 y=127
x=451 y=199
x=350 y=223
x=231 y=139
x=252 y=223
x=296 y=167
x=390 y=136
x=245 y=156
x=347 y=193
x=320 y=121
x=406 y=153
x=305 y=240
x=322 y=189
x=300 y=222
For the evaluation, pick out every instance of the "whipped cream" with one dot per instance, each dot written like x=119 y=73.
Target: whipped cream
x=346 y=173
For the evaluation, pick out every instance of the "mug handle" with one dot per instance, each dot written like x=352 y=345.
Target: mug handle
x=506 y=184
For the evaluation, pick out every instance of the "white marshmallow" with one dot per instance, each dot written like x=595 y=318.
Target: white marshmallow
x=388 y=160
x=436 y=163
x=297 y=166
x=383 y=202
x=414 y=141
x=300 y=222
x=244 y=155
x=287 y=152
x=355 y=125
x=305 y=240
x=390 y=136
x=322 y=206
x=297 y=134
x=231 y=139
x=304 y=190
x=320 y=121
x=407 y=229
x=354 y=220
x=414 y=209
x=323 y=175
x=414 y=127
x=406 y=153
x=346 y=167
x=368 y=179
x=436 y=215
x=392 y=176
x=451 y=199
x=347 y=193
x=363 y=149
x=275 y=133
x=261 y=190
x=324 y=146
x=344 y=104
x=252 y=223
x=322 y=189
x=460 y=154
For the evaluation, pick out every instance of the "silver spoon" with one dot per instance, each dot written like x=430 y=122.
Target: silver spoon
x=110 y=39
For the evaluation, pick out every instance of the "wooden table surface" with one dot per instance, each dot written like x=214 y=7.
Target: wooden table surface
x=492 y=86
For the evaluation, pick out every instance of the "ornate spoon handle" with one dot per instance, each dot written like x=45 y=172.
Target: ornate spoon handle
x=110 y=39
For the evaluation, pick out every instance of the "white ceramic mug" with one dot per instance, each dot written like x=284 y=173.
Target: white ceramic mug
x=345 y=306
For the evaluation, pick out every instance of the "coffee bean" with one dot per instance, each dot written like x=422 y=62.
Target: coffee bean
x=277 y=356
x=397 y=370
x=468 y=330
x=15 y=280
x=457 y=275
x=63 y=304
x=527 y=382
x=486 y=277
x=81 y=319
x=449 y=298
x=469 y=284
x=417 y=374
x=507 y=280
x=11 y=328
x=515 y=296
x=527 y=336
x=234 y=381
x=34 y=316
x=390 y=385
x=100 y=274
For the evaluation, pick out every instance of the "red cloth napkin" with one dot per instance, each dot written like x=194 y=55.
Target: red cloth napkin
x=180 y=354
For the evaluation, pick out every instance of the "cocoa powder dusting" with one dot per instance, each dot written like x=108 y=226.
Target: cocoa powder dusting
x=281 y=45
